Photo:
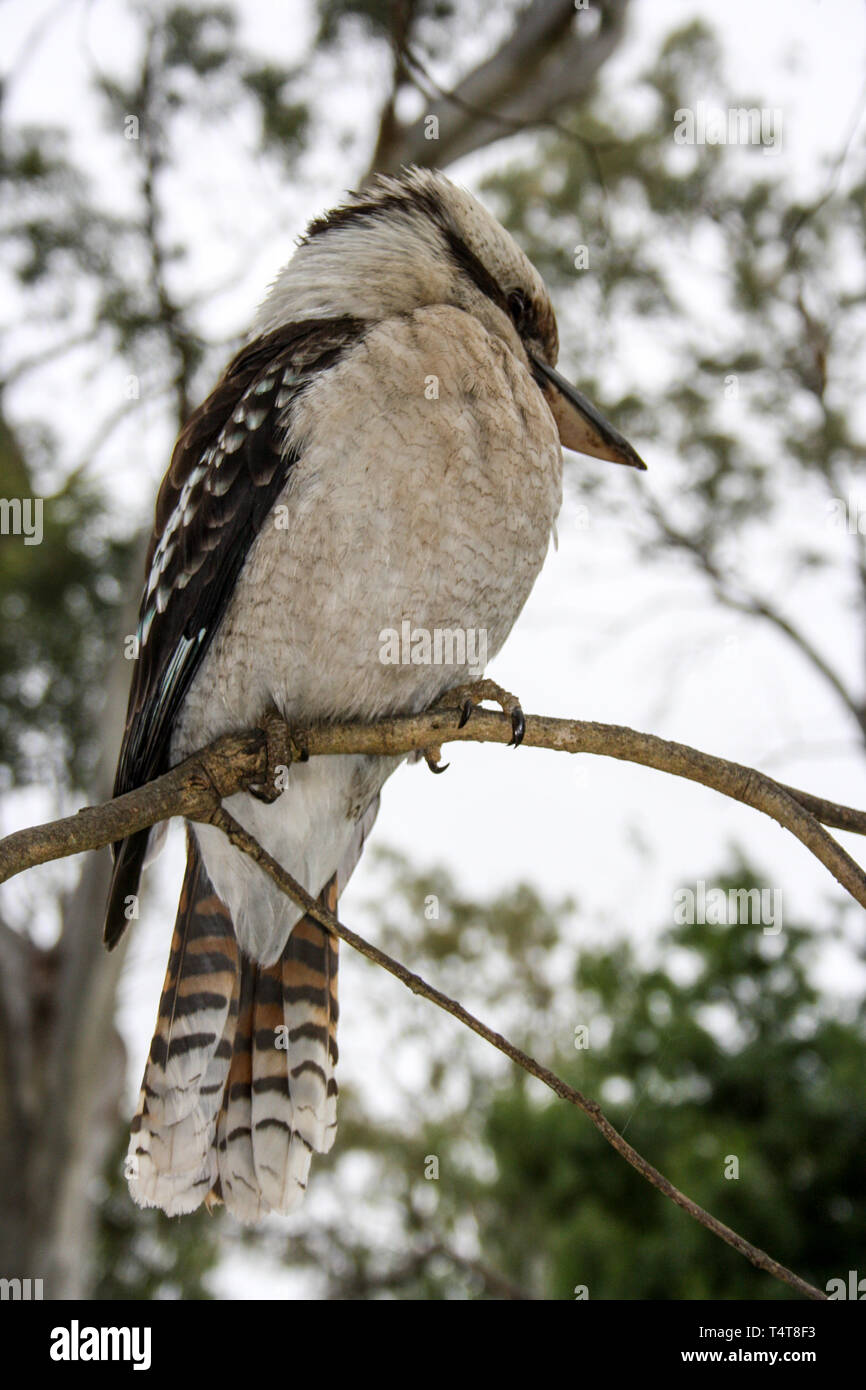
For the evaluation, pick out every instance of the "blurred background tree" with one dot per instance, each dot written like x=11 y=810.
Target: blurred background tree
x=106 y=296
x=721 y=1060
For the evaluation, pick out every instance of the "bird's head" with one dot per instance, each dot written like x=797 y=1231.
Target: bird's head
x=417 y=239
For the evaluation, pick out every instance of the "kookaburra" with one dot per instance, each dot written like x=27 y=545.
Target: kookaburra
x=385 y=449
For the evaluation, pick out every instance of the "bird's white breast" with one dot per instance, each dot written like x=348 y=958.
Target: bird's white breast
x=428 y=481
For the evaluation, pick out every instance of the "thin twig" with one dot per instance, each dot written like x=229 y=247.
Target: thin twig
x=759 y=1258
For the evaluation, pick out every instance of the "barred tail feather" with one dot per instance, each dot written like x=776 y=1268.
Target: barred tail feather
x=235 y=1179
x=171 y=1163
x=239 y=1089
x=281 y=1097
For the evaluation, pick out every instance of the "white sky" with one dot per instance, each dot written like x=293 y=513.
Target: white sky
x=600 y=638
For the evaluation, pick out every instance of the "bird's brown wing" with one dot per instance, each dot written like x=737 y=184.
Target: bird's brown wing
x=228 y=468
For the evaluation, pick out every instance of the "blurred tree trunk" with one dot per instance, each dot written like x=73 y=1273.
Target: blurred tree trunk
x=62 y=1069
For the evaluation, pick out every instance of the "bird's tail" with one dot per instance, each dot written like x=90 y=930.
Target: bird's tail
x=239 y=1089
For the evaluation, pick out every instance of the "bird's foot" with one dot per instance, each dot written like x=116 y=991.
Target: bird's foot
x=282 y=751
x=466 y=697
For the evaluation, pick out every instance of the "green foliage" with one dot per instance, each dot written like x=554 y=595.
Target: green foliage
x=58 y=604
x=659 y=217
x=197 y=67
x=108 y=281
x=719 y=1049
x=53 y=234
x=381 y=18
x=284 y=123
x=744 y=1062
x=200 y=39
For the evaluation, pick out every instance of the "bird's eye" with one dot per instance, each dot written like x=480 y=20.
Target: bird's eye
x=519 y=308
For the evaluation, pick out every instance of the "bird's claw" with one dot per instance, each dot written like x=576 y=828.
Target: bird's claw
x=431 y=757
x=282 y=751
x=518 y=727
x=466 y=697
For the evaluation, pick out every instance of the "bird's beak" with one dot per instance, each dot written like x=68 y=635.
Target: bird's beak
x=582 y=427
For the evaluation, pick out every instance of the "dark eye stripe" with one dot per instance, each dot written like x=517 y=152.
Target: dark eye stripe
x=517 y=304
x=478 y=273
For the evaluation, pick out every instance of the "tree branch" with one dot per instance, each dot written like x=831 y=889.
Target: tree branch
x=754 y=605
x=543 y=65
x=196 y=787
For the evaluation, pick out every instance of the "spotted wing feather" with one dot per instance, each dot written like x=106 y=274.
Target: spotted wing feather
x=229 y=466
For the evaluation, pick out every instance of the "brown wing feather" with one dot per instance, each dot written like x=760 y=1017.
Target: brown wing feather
x=228 y=468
